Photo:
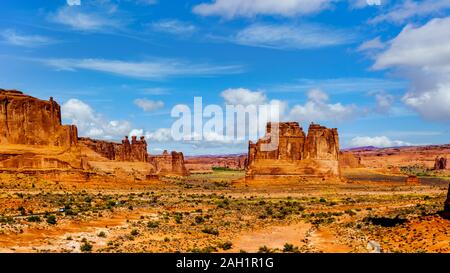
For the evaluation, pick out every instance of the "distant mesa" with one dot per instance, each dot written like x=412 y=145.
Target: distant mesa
x=32 y=137
x=315 y=155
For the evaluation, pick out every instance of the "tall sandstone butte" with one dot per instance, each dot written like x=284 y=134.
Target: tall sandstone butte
x=31 y=121
x=297 y=154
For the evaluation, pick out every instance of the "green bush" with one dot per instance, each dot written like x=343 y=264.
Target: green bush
x=210 y=230
x=86 y=247
x=227 y=245
x=34 y=218
x=153 y=224
x=51 y=219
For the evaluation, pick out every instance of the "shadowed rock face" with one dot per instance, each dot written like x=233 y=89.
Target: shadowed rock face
x=31 y=121
x=447 y=205
x=349 y=160
x=314 y=154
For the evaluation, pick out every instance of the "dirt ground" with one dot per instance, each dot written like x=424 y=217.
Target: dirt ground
x=212 y=213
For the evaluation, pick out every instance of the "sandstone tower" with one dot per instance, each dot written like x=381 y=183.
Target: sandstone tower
x=297 y=154
x=31 y=121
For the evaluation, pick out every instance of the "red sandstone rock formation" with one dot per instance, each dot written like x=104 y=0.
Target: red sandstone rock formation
x=349 y=160
x=440 y=163
x=412 y=180
x=31 y=121
x=297 y=154
x=172 y=163
x=136 y=151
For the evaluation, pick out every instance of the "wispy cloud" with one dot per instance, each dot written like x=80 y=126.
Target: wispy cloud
x=83 y=19
x=305 y=36
x=174 y=26
x=408 y=9
x=341 y=85
x=248 y=8
x=73 y=2
x=149 y=70
x=12 y=37
x=149 y=105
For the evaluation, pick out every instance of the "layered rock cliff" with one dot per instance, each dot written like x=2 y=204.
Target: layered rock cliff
x=31 y=121
x=134 y=151
x=315 y=154
x=169 y=163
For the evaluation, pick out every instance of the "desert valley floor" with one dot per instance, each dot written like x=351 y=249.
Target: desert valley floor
x=220 y=212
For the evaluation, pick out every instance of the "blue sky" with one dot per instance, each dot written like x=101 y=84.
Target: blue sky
x=376 y=71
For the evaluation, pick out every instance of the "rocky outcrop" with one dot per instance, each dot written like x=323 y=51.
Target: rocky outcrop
x=313 y=155
x=134 y=151
x=412 y=180
x=31 y=121
x=169 y=163
x=440 y=163
x=349 y=160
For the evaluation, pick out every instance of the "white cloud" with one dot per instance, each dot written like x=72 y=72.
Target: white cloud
x=422 y=55
x=174 y=26
x=92 y=124
x=74 y=2
x=149 y=105
x=150 y=70
x=340 y=85
x=12 y=37
x=291 y=36
x=243 y=96
x=250 y=8
x=160 y=135
x=409 y=9
x=378 y=141
x=318 y=108
x=384 y=101
x=76 y=18
x=374 y=44
x=146 y=2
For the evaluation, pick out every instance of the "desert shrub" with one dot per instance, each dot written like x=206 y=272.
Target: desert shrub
x=22 y=210
x=290 y=248
x=101 y=234
x=265 y=249
x=134 y=232
x=199 y=219
x=227 y=245
x=34 y=218
x=51 y=219
x=210 y=230
x=207 y=249
x=86 y=247
x=178 y=217
x=152 y=224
